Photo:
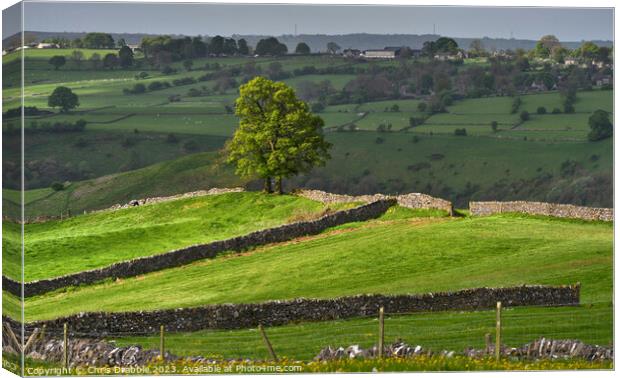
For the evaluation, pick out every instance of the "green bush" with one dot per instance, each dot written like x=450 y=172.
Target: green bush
x=460 y=132
x=525 y=115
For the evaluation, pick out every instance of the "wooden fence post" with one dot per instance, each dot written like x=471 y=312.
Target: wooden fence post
x=381 y=331
x=498 y=330
x=161 y=341
x=31 y=340
x=65 y=346
x=9 y=331
x=487 y=343
x=267 y=343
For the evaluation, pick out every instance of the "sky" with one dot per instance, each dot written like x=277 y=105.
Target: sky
x=568 y=24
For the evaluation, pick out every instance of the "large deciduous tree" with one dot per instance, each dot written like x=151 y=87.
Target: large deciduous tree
x=243 y=47
x=57 y=61
x=545 y=46
x=98 y=41
x=270 y=46
x=125 y=57
x=332 y=47
x=63 y=98
x=302 y=48
x=278 y=137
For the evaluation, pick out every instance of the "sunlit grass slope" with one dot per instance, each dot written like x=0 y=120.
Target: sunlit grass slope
x=95 y=240
x=396 y=254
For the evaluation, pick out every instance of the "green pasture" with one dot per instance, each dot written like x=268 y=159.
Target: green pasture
x=432 y=129
x=188 y=173
x=424 y=255
x=436 y=331
x=196 y=124
x=110 y=150
x=371 y=121
x=485 y=105
x=339 y=119
x=95 y=240
x=470 y=119
x=404 y=162
x=398 y=160
x=344 y=108
x=337 y=81
x=381 y=106
x=587 y=101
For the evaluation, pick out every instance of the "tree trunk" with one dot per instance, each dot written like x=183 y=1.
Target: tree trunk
x=267 y=185
x=279 y=185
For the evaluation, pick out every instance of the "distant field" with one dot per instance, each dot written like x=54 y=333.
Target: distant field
x=188 y=173
x=213 y=124
x=106 y=150
x=31 y=53
x=398 y=120
x=486 y=105
x=587 y=101
x=337 y=81
x=95 y=240
x=432 y=164
x=380 y=106
x=395 y=160
x=376 y=162
x=424 y=255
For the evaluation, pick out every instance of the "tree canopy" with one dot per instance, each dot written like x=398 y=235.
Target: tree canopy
x=278 y=136
x=63 y=98
x=600 y=126
x=302 y=48
x=57 y=61
x=125 y=57
x=98 y=41
x=332 y=47
x=110 y=61
x=545 y=46
x=270 y=46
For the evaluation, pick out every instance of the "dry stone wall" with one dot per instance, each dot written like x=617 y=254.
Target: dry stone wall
x=193 y=253
x=542 y=208
x=411 y=200
x=537 y=349
x=274 y=313
x=154 y=200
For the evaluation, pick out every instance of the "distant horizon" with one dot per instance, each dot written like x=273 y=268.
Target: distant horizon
x=306 y=34
x=519 y=23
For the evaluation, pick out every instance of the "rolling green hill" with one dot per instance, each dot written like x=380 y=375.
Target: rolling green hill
x=190 y=173
x=492 y=169
x=95 y=240
x=118 y=155
x=424 y=254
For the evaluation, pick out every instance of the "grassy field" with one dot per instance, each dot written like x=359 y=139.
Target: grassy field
x=425 y=254
x=396 y=164
x=95 y=240
x=189 y=173
x=433 y=164
x=437 y=331
x=443 y=165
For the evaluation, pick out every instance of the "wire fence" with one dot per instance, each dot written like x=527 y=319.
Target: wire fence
x=437 y=331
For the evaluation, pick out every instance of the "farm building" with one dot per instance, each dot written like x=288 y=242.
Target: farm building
x=351 y=53
x=386 y=53
x=444 y=56
x=44 y=45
